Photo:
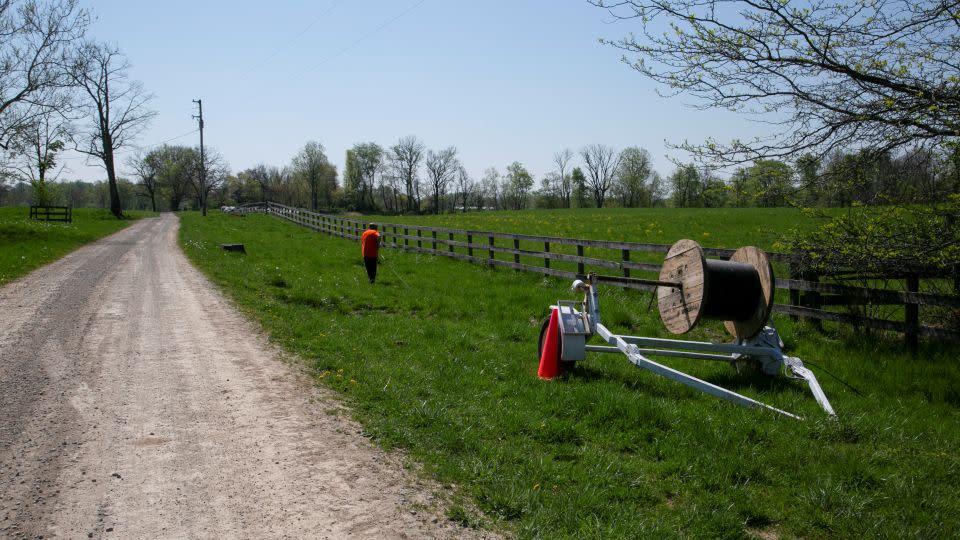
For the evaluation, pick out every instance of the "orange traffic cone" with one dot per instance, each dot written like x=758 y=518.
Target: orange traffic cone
x=550 y=357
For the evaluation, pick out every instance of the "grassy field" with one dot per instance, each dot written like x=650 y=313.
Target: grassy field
x=27 y=244
x=711 y=227
x=439 y=358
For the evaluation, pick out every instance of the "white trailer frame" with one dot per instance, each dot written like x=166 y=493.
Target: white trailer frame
x=578 y=325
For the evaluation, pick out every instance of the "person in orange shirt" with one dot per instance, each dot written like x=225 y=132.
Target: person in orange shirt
x=369 y=250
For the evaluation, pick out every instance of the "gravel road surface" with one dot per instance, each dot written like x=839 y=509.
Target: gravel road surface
x=136 y=402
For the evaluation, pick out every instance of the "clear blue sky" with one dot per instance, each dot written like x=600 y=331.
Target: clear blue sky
x=501 y=80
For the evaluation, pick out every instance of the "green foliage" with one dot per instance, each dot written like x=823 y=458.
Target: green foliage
x=439 y=358
x=884 y=240
x=518 y=184
x=579 y=187
x=773 y=181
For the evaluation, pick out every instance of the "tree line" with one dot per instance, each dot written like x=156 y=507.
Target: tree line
x=407 y=177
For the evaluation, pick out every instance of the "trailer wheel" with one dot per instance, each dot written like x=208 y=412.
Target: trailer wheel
x=543 y=334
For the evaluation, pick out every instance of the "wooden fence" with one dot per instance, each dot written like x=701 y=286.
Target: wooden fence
x=52 y=213
x=807 y=296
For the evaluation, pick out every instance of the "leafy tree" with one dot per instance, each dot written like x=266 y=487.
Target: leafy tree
x=115 y=108
x=808 y=170
x=33 y=153
x=579 y=182
x=742 y=188
x=713 y=190
x=880 y=75
x=518 y=184
x=632 y=175
x=173 y=167
x=687 y=187
x=312 y=167
x=369 y=160
x=772 y=180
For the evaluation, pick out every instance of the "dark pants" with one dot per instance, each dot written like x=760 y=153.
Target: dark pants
x=371 y=264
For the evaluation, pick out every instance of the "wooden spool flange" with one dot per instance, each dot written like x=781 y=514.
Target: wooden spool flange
x=758 y=259
x=681 y=308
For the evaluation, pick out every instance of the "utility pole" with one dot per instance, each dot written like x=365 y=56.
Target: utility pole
x=203 y=160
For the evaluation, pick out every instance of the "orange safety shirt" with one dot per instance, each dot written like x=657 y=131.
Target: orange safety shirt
x=369 y=243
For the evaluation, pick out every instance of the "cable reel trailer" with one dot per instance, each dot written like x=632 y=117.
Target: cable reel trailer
x=691 y=287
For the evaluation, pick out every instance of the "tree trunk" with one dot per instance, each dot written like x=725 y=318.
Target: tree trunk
x=115 y=208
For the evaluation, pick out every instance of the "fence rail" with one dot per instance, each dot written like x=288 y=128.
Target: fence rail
x=481 y=247
x=52 y=213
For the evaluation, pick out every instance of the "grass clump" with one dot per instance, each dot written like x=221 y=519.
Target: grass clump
x=439 y=358
x=27 y=244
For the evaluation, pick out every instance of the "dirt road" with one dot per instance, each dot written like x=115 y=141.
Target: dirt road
x=136 y=402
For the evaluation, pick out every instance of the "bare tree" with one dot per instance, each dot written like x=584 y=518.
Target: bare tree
x=464 y=185
x=441 y=167
x=208 y=176
x=831 y=75
x=490 y=187
x=34 y=38
x=147 y=169
x=564 y=185
x=602 y=162
x=115 y=108
x=406 y=156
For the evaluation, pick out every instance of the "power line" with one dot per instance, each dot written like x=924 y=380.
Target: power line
x=369 y=34
x=282 y=48
x=136 y=148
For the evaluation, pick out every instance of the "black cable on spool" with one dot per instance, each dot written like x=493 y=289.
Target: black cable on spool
x=738 y=291
x=733 y=291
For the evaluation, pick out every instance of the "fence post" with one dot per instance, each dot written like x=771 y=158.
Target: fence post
x=490 y=252
x=469 y=244
x=794 y=293
x=813 y=300
x=406 y=241
x=626 y=258
x=546 y=260
x=911 y=314
x=419 y=234
x=434 y=234
x=450 y=245
x=516 y=256
x=580 y=262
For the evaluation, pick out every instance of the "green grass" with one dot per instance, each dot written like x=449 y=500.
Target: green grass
x=711 y=227
x=27 y=244
x=439 y=358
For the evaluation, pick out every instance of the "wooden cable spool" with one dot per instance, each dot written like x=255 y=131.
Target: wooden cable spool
x=738 y=292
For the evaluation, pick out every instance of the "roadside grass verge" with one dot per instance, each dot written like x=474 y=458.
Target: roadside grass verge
x=439 y=358
x=27 y=244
